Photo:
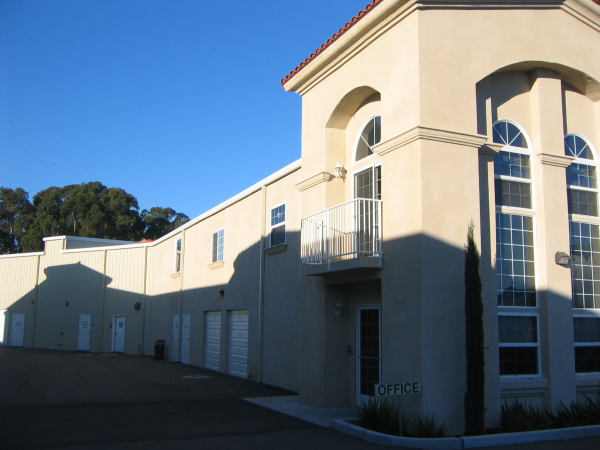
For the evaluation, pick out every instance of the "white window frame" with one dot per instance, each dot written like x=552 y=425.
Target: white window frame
x=370 y=167
x=522 y=151
x=535 y=260
x=523 y=344
x=588 y=162
x=280 y=224
x=593 y=314
x=357 y=348
x=220 y=250
x=358 y=136
x=178 y=249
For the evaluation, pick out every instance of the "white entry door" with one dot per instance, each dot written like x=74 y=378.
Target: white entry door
x=185 y=339
x=212 y=341
x=83 y=336
x=368 y=351
x=17 y=330
x=175 y=352
x=119 y=334
x=238 y=344
x=3 y=326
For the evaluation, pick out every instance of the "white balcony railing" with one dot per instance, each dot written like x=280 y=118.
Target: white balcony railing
x=349 y=230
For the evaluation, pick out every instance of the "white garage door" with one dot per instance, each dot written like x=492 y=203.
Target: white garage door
x=212 y=343
x=238 y=344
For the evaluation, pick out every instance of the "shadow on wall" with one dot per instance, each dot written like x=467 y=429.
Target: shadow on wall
x=306 y=347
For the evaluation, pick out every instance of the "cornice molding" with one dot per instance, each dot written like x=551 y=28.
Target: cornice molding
x=490 y=148
x=321 y=177
x=555 y=160
x=430 y=134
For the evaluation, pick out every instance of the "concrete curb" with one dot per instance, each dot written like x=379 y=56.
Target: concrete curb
x=347 y=427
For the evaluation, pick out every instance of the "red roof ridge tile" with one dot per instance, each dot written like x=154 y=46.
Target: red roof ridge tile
x=332 y=39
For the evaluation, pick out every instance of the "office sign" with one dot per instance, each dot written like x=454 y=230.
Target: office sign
x=384 y=390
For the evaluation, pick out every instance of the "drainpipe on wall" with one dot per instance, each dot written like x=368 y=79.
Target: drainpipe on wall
x=261 y=286
x=144 y=299
x=102 y=302
x=181 y=269
x=35 y=298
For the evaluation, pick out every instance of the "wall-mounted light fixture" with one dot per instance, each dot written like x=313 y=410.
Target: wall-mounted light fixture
x=338 y=310
x=562 y=259
x=221 y=292
x=137 y=306
x=339 y=169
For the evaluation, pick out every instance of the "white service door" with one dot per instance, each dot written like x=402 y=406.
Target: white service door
x=212 y=342
x=175 y=340
x=3 y=326
x=185 y=339
x=83 y=335
x=238 y=344
x=119 y=334
x=17 y=330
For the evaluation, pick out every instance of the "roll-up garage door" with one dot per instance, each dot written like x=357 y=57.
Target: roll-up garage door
x=212 y=343
x=238 y=343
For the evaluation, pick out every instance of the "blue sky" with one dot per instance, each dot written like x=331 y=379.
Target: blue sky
x=177 y=102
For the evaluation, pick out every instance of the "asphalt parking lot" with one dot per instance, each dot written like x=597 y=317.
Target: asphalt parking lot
x=68 y=400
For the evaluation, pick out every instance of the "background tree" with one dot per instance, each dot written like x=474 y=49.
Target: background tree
x=16 y=215
x=87 y=210
x=475 y=392
x=160 y=221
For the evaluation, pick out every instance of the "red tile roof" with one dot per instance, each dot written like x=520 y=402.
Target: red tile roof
x=331 y=40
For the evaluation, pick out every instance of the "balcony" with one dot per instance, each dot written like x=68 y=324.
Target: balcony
x=344 y=237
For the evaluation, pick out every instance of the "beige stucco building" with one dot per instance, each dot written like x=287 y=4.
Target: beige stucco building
x=345 y=268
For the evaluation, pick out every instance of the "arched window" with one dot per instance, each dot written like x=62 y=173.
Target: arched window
x=582 y=176
x=515 y=253
x=512 y=167
x=369 y=136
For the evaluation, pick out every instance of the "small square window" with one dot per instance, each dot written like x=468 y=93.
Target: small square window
x=218 y=245
x=277 y=234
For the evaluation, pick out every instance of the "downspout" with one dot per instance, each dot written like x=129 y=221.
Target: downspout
x=102 y=302
x=261 y=286
x=144 y=299
x=35 y=298
x=181 y=291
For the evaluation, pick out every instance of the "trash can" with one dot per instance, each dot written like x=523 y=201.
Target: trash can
x=159 y=349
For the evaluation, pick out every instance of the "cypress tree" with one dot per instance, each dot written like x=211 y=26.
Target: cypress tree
x=475 y=392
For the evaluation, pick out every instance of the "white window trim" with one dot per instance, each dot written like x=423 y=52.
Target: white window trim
x=271 y=227
x=523 y=151
x=215 y=258
x=581 y=311
x=587 y=162
x=358 y=135
x=592 y=314
x=536 y=259
x=524 y=344
x=178 y=254
x=355 y=172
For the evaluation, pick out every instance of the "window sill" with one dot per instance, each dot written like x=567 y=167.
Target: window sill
x=216 y=265
x=175 y=275
x=525 y=382
x=587 y=379
x=280 y=248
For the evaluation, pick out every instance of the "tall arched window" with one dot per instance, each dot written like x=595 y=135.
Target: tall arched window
x=582 y=177
x=582 y=183
x=368 y=137
x=515 y=254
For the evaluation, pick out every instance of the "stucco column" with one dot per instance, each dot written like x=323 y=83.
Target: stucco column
x=552 y=227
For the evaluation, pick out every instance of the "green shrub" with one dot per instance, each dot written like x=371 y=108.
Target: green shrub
x=428 y=425
x=381 y=415
x=523 y=417
x=576 y=415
